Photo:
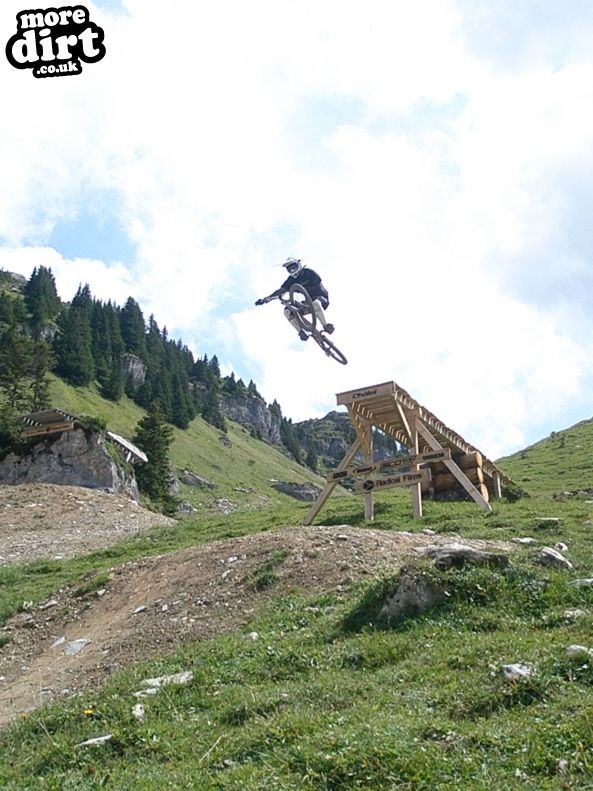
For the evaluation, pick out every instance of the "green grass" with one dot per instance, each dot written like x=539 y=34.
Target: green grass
x=563 y=462
x=312 y=704
x=330 y=698
x=239 y=466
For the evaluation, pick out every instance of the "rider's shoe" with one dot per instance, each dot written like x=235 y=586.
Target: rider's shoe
x=303 y=335
x=329 y=328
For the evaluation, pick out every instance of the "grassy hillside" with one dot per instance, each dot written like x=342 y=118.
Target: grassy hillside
x=239 y=466
x=563 y=462
x=327 y=697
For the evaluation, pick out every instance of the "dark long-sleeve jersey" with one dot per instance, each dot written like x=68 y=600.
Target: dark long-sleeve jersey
x=310 y=280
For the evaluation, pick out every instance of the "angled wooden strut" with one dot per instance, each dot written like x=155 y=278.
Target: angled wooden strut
x=393 y=411
x=454 y=468
x=331 y=485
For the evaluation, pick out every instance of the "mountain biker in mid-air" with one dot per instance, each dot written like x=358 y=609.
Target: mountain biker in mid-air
x=310 y=280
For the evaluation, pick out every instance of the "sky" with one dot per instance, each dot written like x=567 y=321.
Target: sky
x=431 y=160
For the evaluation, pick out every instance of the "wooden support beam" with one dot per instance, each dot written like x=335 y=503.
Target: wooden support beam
x=457 y=472
x=497 y=486
x=331 y=485
x=360 y=423
x=416 y=488
x=406 y=424
x=369 y=507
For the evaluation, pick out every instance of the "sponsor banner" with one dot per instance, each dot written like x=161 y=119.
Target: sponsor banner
x=34 y=431
x=391 y=464
x=353 y=396
x=391 y=481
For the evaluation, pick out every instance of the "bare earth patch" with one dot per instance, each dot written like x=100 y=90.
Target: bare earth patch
x=153 y=606
x=48 y=521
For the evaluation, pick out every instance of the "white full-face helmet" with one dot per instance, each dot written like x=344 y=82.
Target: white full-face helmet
x=293 y=266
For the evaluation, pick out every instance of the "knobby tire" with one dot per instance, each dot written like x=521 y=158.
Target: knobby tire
x=329 y=348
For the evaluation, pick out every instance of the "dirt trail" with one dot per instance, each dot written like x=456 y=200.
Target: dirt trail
x=153 y=606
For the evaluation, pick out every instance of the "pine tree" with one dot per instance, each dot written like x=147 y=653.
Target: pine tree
x=113 y=389
x=73 y=347
x=132 y=329
x=41 y=298
x=289 y=440
x=181 y=408
x=101 y=343
x=229 y=384
x=42 y=362
x=154 y=436
x=311 y=459
x=211 y=410
x=241 y=389
x=6 y=310
x=211 y=398
x=252 y=390
x=16 y=355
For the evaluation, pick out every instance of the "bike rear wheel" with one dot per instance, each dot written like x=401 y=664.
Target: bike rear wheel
x=303 y=307
x=330 y=348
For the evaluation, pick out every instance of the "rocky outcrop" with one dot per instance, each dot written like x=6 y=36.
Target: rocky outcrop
x=331 y=436
x=252 y=413
x=300 y=491
x=133 y=370
x=73 y=458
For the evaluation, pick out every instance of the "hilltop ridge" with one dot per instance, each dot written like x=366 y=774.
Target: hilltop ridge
x=562 y=462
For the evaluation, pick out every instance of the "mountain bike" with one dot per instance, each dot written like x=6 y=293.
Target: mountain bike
x=300 y=305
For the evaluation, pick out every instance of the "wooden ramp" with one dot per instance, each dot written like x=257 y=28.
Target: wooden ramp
x=437 y=454
x=47 y=421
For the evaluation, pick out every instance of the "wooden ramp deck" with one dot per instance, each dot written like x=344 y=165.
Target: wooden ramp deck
x=433 y=448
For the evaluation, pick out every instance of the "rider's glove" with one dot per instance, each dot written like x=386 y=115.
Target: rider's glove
x=260 y=301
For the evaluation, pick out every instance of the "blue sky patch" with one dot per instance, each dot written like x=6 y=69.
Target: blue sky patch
x=115 y=6
x=93 y=236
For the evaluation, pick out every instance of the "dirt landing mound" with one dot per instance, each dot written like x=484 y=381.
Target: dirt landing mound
x=153 y=606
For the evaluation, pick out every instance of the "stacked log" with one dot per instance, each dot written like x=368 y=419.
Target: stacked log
x=444 y=482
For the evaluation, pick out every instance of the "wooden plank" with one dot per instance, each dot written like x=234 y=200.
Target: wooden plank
x=360 y=426
x=497 y=486
x=390 y=464
x=416 y=490
x=329 y=487
x=369 y=507
x=35 y=431
x=364 y=393
x=391 y=482
x=46 y=416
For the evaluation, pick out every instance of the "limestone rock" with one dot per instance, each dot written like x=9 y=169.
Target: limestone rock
x=73 y=458
x=551 y=557
x=252 y=413
x=133 y=370
x=415 y=594
x=300 y=491
x=579 y=651
x=517 y=672
x=191 y=479
x=458 y=555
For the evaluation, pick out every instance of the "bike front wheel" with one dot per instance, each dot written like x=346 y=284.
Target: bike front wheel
x=302 y=305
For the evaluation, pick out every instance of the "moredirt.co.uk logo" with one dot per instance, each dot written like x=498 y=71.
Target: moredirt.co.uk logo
x=52 y=42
